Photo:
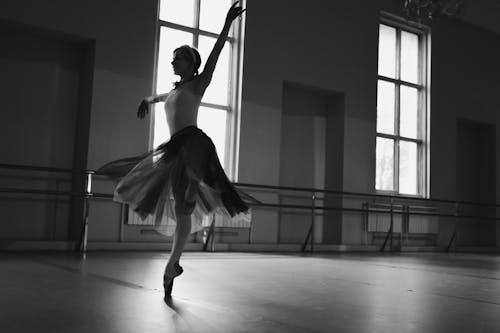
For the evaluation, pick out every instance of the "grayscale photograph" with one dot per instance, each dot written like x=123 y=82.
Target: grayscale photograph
x=251 y=166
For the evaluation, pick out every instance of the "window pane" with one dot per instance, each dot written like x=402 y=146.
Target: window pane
x=213 y=14
x=385 y=164
x=175 y=11
x=218 y=90
x=170 y=39
x=409 y=112
x=408 y=167
x=409 y=57
x=387 y=51
x=385 y=107
x=161 y=132
x=213 y=123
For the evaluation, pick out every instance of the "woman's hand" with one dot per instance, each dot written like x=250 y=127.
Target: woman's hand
x=234 y=12
x=143 y=109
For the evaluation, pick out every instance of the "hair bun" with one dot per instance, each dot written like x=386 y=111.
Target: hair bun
x=193 y=54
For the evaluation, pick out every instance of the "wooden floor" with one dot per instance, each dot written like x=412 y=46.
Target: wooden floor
x=248 y=292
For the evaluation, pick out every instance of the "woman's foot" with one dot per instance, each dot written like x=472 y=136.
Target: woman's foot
x=168 y=278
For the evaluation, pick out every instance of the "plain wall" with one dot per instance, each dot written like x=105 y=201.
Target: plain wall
x=40 y=98
x=123 y=33
x=465 y=69
x=333 y=46
x=303 y=153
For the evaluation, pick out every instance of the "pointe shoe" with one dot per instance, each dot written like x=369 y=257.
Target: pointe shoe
x=168 y=281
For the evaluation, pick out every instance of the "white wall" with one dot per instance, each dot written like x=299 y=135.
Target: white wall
x=40 y=98
x=465 y=68
x=124 y=36
x=332 y=45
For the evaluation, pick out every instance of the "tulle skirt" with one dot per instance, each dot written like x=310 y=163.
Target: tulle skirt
x=183 y=176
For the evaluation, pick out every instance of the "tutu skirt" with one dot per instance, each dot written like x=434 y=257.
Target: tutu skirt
x=183 y=176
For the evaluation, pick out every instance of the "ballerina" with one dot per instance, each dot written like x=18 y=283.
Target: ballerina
x=181 y=181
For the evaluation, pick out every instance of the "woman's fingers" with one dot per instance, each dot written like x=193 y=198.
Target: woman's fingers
x=235 y=11
x=143 y=109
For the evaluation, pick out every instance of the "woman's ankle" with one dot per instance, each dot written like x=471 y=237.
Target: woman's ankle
x=172 y=268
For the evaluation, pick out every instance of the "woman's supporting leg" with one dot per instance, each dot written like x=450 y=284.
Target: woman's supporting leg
x=182 y=231
x=183 y=210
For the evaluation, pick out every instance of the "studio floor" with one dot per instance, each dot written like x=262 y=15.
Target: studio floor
x=250 y=292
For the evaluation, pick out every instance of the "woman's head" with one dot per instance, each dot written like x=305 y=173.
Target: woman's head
x=186 y=60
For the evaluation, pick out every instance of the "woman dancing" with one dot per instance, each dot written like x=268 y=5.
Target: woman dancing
x=181 y=181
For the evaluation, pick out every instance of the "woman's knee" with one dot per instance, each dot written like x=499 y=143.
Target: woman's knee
x=183 y=207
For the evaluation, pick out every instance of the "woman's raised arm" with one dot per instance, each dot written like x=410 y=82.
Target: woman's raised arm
x=208 y=70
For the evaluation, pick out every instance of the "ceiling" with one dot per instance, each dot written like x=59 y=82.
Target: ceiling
x=483 y=13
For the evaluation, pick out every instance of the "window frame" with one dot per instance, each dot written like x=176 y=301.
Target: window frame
x=423 y=107
x=234 y=97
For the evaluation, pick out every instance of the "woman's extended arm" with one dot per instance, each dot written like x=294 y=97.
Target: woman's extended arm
x=208 y=70
x=156 y=98
x=144 y=106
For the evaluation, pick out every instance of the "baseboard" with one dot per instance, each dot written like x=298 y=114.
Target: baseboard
x=7 y=245
x=264 y=247
x=475 y=249
x=423 y=249
x=139 y=246
x=166 y=246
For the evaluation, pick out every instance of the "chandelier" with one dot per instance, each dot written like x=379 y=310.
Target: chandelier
x=423 y=11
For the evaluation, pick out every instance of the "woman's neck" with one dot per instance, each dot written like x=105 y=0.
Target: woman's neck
x=184 y=80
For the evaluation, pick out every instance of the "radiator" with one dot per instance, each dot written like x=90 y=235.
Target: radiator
x=423 y=224
x=417 y=224
x=381 y=222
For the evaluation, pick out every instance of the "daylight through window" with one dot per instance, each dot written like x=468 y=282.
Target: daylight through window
x=198 y=23
x=402 y=110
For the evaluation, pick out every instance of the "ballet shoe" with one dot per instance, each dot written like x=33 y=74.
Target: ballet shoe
x=168 y=281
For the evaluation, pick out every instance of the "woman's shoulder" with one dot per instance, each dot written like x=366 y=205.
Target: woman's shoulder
x=194 y=86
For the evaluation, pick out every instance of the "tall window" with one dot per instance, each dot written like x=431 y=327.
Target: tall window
x=402 y=109
x=198 y=23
